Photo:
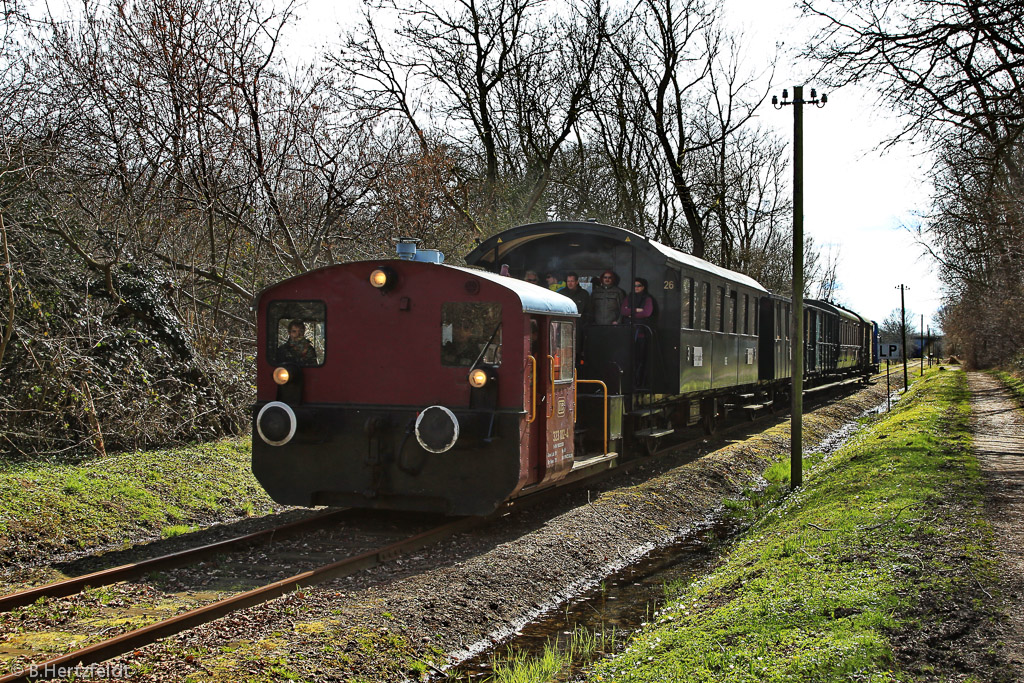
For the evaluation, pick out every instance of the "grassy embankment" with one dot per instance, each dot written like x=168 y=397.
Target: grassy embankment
x=48 y=508
x=827 y=581
x=1013 y=378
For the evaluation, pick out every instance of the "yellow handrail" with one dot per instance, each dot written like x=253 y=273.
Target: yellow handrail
x=605 y=388
x=551 y=376
x=533 y=389
x=575 y=395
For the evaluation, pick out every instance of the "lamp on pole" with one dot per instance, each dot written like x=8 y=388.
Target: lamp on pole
x=796 y=455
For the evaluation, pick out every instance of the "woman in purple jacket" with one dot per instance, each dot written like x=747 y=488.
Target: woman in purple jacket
x=639 y=306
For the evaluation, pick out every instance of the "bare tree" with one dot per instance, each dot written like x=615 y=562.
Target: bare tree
x=501 y=85
x=161 y=164
x=954 y=70
x=680 y=63
x=891 y=329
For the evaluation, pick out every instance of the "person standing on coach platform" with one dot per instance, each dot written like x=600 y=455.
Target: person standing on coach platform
x=606 y=300
x=579 y=295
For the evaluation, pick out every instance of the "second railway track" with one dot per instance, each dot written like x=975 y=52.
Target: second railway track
x=92 y=618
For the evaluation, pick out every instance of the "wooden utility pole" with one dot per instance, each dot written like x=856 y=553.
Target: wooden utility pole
x=903 y=336
x=796 y=435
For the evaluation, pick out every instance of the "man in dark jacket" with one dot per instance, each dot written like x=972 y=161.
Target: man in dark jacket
x=579 y=295
x=297 y=349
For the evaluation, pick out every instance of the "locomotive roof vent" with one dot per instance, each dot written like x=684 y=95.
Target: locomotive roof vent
x=408 y=250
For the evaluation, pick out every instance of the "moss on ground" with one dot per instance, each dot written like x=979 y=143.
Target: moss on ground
x=51 y=509
x=335 y=650
x=821 y=586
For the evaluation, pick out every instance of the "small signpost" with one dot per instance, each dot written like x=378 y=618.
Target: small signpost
x=889 y=353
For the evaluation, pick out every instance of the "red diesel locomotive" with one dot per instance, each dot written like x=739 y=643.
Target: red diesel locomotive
x=407 y=390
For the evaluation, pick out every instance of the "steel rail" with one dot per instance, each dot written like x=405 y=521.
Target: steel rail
x=132 y=640
x=105 y=577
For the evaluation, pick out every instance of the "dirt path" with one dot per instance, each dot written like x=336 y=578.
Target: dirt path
x=998 y=426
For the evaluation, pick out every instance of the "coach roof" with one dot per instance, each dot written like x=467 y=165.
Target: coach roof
x=494 y=249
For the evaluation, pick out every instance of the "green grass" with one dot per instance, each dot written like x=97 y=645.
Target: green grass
x=55 y=508
x=818 y=585
x=556 y=662
x=1013 y=378
x=177 y=530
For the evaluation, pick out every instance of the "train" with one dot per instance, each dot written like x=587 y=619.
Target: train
x=412 y=384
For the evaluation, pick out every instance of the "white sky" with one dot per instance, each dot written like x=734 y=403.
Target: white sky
x=856 y=198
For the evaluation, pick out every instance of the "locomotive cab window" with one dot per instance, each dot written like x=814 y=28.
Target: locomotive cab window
x=562 y=349
x=297 y=332
x=470 y=333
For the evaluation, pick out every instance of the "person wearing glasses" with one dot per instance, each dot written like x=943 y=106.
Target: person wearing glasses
x=532 y=277
x=639 y=306
x=606 y=300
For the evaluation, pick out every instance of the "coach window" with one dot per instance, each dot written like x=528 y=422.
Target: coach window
x=562 y=349
x=733 y=311
x=719 y=309
x=296 y=332
x=470 y=333
x=686 y=296
x=706 y=298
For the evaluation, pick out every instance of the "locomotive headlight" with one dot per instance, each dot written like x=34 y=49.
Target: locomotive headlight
x=281 y=376
x=380 y=278
x=477 y=378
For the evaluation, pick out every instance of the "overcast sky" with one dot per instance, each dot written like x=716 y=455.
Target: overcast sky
x=857 y=199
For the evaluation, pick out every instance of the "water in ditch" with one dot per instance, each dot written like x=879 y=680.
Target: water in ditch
x=614 y=609
x=626 y=600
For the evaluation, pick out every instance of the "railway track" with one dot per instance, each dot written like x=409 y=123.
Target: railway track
x=125 y=572
x=212 y=608
x=137 y=595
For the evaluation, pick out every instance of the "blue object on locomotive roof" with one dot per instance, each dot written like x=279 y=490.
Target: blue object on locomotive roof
x=408 y=250
x=495 y=248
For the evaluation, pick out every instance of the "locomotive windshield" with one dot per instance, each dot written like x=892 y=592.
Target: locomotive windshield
x=296 y=332
x=470 y=331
